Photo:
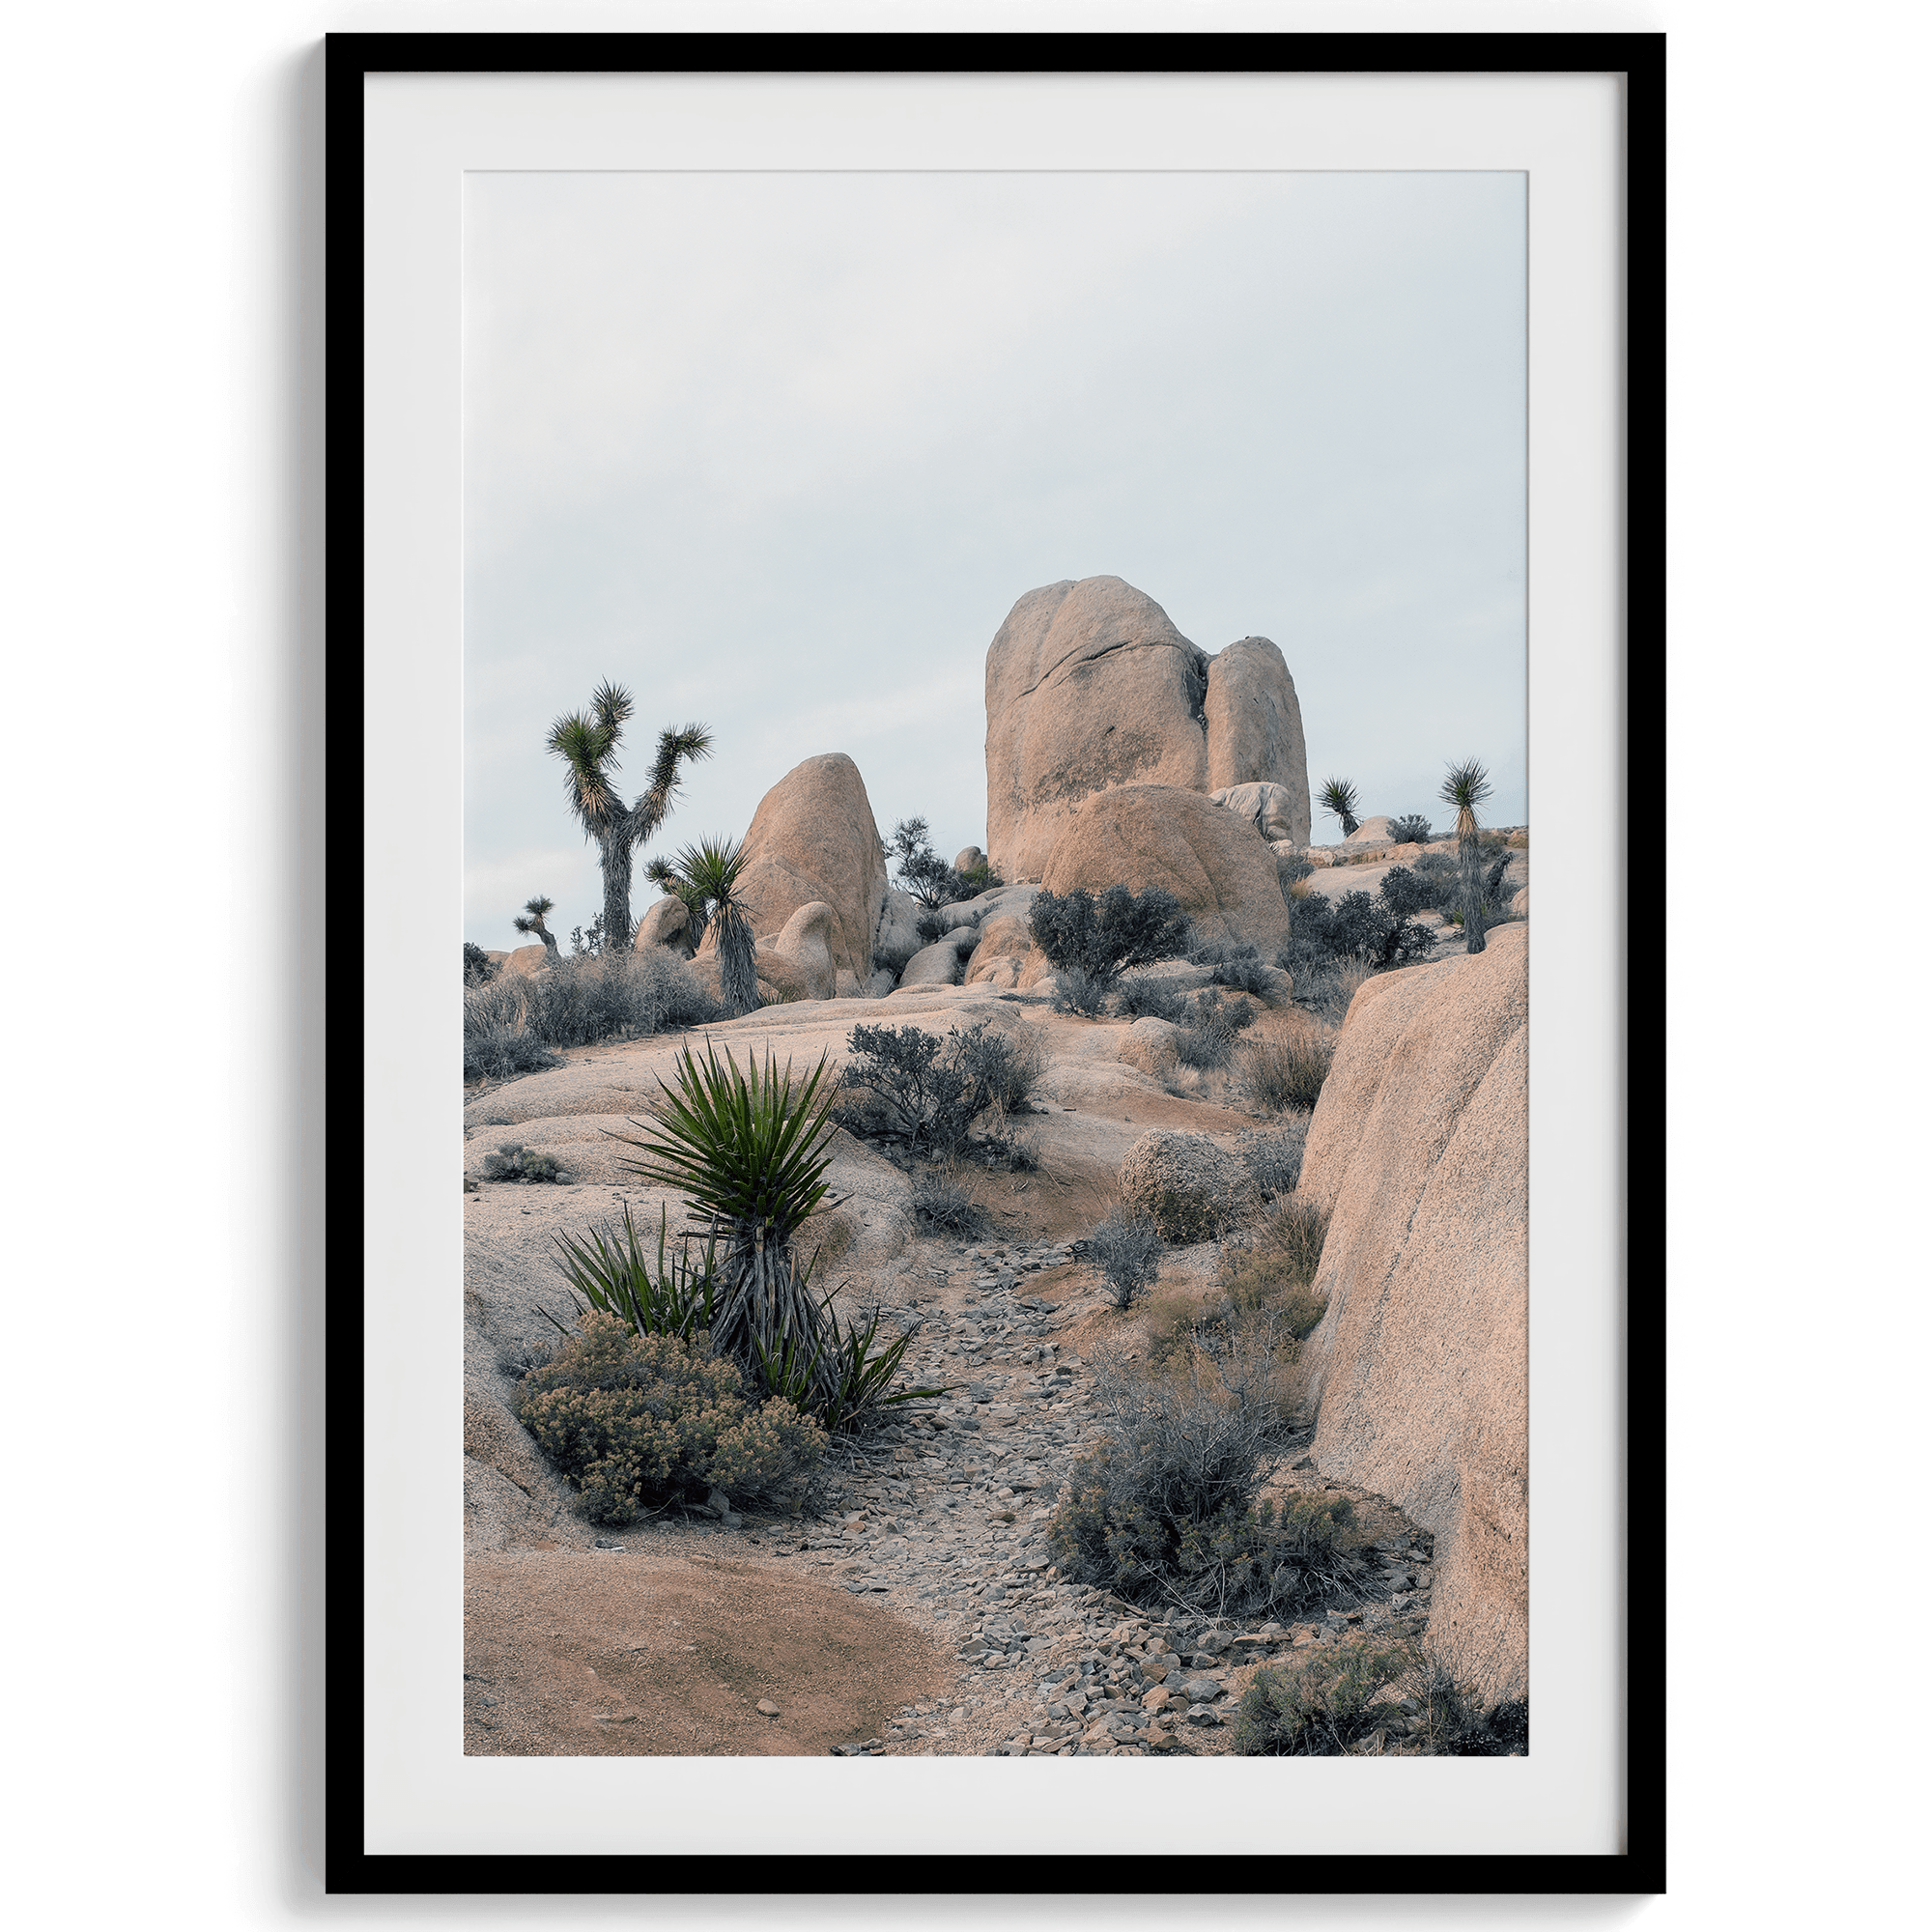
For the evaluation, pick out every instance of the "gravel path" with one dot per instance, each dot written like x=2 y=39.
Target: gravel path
x=943 y=1518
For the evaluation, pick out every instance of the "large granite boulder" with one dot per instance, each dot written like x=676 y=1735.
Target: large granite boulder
x=1254 y=730
x=1211 y=860
x=526 y=960
x=1005 y=940
x=1088 y=685
x=1419 y=1150
x=814 y=837
x=896 y=937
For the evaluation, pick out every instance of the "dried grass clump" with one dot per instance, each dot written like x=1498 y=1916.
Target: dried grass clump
x=1280 y=1071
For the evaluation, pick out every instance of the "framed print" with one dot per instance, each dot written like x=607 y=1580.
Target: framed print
x=968 y=626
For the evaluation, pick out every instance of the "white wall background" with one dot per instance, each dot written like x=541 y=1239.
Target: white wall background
x=161 y=1145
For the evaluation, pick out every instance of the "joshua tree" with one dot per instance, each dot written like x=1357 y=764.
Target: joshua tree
x=1339 y=799
x=711 y=869
x=1465 y=788
x=532 y=920
x=587 y=744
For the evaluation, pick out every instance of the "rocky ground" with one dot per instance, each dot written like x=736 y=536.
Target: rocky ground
x=920 y=1611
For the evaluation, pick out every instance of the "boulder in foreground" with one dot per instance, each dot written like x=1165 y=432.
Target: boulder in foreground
x=1419 y=1150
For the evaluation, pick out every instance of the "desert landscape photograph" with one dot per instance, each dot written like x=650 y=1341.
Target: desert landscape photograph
x=996 y=965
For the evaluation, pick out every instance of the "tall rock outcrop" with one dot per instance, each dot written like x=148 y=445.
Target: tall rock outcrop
x=1088 y=686
x=814 y=837
x=1419 y=1150
x=1254 y=728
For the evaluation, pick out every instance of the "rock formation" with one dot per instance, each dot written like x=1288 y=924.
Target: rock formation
x=814 y=837
x=667 y=922
x=1419 y=1150
x=1088 y=686
x=1211 y=860
x=1274 y=811
x=1254 y=730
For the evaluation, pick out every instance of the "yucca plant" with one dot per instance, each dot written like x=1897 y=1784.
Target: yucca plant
x=748 y=1150
x=1339 y=799
x=616 y=1277
x=842 y=1381
x=1465 y=788
x=711 y=869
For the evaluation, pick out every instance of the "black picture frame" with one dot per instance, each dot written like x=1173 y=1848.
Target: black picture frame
x=350 y=58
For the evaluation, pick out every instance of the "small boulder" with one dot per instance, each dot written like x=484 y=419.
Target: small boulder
x=666 y=923
x=1151 y=1044
x=1006 y=936
x=527 y=959
x=937 y=964
x=896 y=938
x=1268 y=808
x=805 y=946
x=1370 y=832
x=1186 y=1184
x=968 y=861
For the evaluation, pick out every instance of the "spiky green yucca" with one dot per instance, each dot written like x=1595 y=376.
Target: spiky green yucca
x=588 y=741
x=1465 y=788
x=711 y=869
x=750 y=1151
x=1339 y=799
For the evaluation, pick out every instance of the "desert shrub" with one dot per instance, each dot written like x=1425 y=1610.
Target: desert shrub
x=638 y=1421
x=1207 y=1039
x=497 y=1043
x=977 y=879
x=930 y=1090
x=1279 y=1072
x=921 y=871
x=930 y=927
x=1273 y=1158
x=1163 y=1510
x=1405 y=893
x=1291 y=868
x=1410 y=829
x=1320 y=1706
x=514 y=1161
x=1371 y=927
x=1157 y=999
x=478 y=968
x=943 y=1207
x=590 y=997
x=1240 y=967
x=1281 y=1250
x=1079 y=991
x=1103 y=937
x=1126 y=1249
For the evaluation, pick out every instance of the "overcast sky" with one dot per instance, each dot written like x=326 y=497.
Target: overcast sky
x=779 y=452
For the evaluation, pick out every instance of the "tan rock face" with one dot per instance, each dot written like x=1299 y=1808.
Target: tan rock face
x=1419 y=1149
x=1212 y=861
x=804 y=946
x=1150 y=1044
x=1254 y=728
x=1088 y=685
x=814 y=837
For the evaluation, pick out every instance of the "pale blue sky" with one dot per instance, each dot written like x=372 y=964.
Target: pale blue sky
x=779 y=452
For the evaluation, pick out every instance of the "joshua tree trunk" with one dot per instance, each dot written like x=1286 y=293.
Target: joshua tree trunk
x=737 y=962
x=615 y=849
x=1469 y=859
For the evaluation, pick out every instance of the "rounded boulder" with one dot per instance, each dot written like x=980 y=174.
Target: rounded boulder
x=1186 y=1184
